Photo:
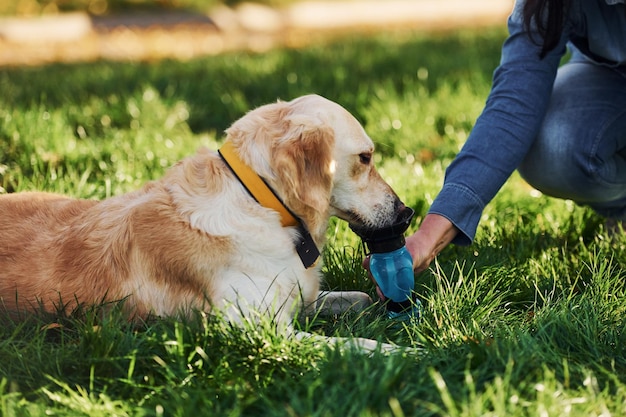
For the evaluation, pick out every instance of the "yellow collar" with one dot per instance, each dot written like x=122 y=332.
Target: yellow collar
x=255 y=185
x=263 y=194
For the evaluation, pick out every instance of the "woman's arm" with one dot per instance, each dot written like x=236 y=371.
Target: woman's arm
x=501 y=137
x=504 y=132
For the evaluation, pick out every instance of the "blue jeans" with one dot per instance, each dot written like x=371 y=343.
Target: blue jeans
x=580 y=152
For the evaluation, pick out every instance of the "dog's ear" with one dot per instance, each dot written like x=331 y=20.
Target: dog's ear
x=302 y=160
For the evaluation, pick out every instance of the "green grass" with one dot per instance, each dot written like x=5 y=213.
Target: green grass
x=528 y=321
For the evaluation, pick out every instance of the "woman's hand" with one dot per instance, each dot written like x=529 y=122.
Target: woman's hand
x=434 y=234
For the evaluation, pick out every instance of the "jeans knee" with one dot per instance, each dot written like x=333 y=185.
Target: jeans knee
x=550 y=164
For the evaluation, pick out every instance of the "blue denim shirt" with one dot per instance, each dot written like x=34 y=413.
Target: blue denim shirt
x=516 y=105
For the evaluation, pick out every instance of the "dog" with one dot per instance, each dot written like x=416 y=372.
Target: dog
x=200 y=238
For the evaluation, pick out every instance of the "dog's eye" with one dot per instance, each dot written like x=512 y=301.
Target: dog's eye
x=365 y=158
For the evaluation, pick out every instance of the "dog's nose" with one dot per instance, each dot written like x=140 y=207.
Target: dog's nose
x=398 y=205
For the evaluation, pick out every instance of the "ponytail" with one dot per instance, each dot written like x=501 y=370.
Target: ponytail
x=549 y=18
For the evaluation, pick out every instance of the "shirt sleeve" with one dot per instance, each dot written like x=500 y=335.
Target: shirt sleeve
x=503 y=133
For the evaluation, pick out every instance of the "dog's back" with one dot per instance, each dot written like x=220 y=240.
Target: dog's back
x=28 y=212
x=58 y=252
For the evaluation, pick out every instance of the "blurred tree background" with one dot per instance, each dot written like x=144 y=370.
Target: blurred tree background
x=101 y=7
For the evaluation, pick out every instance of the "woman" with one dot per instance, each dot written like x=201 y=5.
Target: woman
x=563 y=129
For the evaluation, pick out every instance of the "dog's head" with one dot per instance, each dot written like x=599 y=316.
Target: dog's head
x=317 y=157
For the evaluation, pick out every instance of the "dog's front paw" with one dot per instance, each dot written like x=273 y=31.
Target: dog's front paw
x=330 y=303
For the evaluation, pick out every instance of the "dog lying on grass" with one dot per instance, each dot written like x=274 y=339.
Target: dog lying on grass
x=239 y=230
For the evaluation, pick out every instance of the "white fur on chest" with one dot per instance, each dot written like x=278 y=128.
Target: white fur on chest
x=264 y=272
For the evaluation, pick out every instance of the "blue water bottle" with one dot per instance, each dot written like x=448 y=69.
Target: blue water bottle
x=391 y=266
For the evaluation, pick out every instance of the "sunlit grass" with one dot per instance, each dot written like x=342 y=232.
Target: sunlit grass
x=530 y=320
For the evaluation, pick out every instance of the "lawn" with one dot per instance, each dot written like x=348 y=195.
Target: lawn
x=530 y=320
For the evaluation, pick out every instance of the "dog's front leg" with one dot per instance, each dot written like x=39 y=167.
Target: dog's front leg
x=244 y=298
x=338 y=302
x=357 y=344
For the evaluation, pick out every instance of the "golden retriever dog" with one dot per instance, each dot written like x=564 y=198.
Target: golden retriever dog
x=198 y=238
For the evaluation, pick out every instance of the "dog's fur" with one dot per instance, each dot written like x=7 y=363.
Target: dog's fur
x=196 y=239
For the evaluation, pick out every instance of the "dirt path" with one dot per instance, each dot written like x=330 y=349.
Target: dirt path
x=78 y=37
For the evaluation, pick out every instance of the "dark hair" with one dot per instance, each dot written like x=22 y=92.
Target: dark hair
x=549 y=18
